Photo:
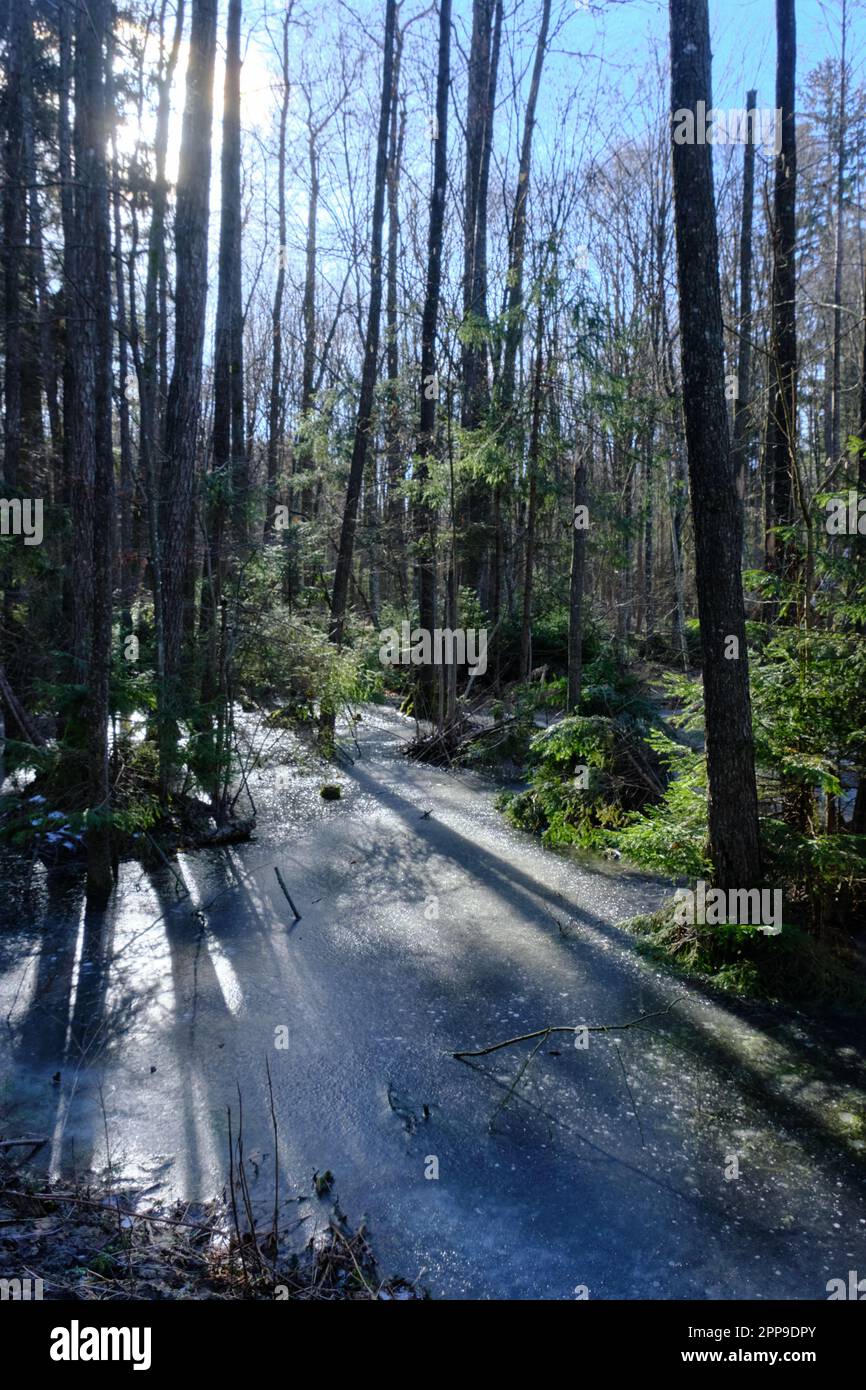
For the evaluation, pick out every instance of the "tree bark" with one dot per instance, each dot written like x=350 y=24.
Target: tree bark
x=781 y=447
x=483 y=68
x=14 y=204
x=228 y=444
x=733 y=805
x=744 y=318
x=424 y=513
x=184 y=395
x=839 y=247
x=275 y=405
x=371 y=350
x=576 y=584
x=529 y=544
x=93 y=456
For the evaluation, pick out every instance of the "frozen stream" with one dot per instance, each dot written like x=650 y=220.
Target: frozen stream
x=420 y=935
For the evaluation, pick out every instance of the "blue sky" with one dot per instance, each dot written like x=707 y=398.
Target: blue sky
x=743 y=35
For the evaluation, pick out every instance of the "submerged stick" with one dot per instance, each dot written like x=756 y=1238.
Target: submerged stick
x=571 y=1028
x=282 y=884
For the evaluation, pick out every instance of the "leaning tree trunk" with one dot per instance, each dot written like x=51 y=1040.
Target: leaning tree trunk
x=733 y=803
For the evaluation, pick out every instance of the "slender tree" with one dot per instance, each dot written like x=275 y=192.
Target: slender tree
x=364 y=418
x=481 y=99
x=742 y=411
x=276 y=412
x=424 y=517
x=781 y=447
x=576 y=580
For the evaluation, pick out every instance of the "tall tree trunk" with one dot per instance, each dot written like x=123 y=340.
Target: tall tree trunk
x=514 y=290
x=14 y=205
x=517 y=240
x=93 y=457
x=839 y=247
x=578 y=567
x=781 y=448
x=308 y=369
x=228 y=424
x=649 y=606
x=483 y=57
x=858 y=822
x=128 y=566
x=275 y=405
x=481 y=97
x=371 y=350
x=531 y=508
x=148 y=370
x=744 y=318
x=184 y=395
x=424 y=512
x=733 y=803
x=393 y=452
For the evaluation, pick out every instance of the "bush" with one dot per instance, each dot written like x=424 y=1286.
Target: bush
x=566 y=806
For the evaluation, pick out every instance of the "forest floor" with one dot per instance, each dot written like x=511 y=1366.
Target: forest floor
x=714 y=1150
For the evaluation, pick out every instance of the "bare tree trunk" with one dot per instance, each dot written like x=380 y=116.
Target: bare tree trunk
x=529 y=544
x=147 y=365
x=578 y=566
x=733 y=804
x=781 y=448
x=483 y=65
x=424 y=513
x=839 y=248
x=128 y=566
x=371 y=350
x=479 y=134
x=229 y=497
x=649 y=606
x=309 y=494
x=93 y=489
x=858 y=821
x=517 y=240
x=184 y=395
x=14 y=204
x=744 y=318
x=275 y=406
x=393 y=453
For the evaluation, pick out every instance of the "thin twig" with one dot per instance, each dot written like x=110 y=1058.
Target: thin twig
x=513 y=1087
x=282 y=884
x=571 y=1028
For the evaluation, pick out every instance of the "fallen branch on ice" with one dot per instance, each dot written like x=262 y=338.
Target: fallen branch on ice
x=571 y=1028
